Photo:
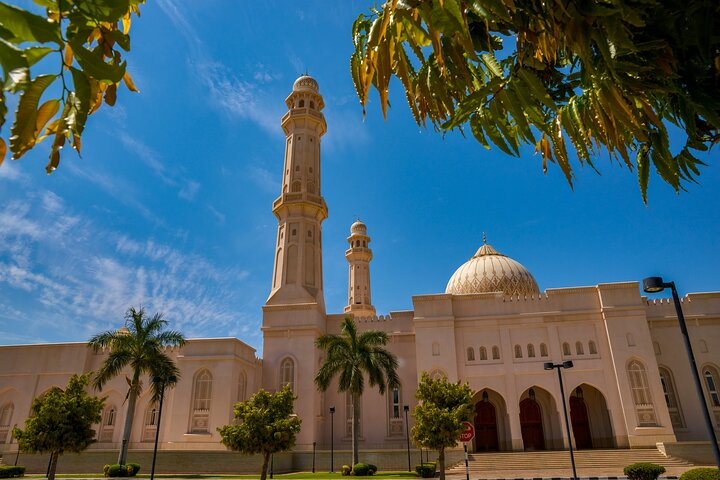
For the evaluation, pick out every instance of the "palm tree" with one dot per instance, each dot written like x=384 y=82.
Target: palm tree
x=139 y=345
x=351 y=357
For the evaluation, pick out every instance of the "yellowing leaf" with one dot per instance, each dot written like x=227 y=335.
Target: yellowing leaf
x=45 y=113
x=23 y=132
x=111 y=94
x=3 y=150
x=129 y=82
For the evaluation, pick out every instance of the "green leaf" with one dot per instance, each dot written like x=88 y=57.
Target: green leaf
x=28 y=27
x=35 y=54
x=103 y=10
x=82 y=95
x=94 y=66
x=23 y=133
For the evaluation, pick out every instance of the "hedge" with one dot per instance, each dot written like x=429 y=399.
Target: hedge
x=426 y=470
x=701 y=474
x=9 y=471
x=364 y=469
x=117 y=470
x=643 y=471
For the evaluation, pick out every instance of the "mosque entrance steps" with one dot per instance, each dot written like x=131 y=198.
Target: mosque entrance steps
x=556 y=463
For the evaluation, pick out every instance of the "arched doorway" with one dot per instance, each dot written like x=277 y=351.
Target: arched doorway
x=580 y=420
x=531 y=424
x=590 y=418
x=486 y=428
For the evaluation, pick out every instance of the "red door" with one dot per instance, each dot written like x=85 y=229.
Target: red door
x=580 y=423
x=531 y=425
x=486 y=437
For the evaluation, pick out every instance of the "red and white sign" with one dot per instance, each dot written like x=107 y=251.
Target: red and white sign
x=468 y=432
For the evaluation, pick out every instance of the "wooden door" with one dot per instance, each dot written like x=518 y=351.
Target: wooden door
x=531 y=425
x=486 y=434
x=580 y=423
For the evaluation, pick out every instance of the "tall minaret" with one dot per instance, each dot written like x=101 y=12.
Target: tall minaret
x=359 y=256
x=294 y=314
x=300 y=209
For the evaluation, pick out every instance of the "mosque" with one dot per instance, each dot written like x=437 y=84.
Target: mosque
x=493 y=328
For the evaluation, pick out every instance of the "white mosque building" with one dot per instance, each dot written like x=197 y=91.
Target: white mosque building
x=492 y=328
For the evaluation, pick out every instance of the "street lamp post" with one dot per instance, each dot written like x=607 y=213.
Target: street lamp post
x=407 y=434
x=654 y=285
x=558 y=366
x=163 y=381
x=332 y=439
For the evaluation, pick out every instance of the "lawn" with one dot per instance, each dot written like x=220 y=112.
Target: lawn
x=300 y=475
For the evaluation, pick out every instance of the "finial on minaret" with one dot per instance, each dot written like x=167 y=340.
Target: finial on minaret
x=484 y=239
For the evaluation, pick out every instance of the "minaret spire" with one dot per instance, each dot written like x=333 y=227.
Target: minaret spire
x=300 y=208
x=359 y=256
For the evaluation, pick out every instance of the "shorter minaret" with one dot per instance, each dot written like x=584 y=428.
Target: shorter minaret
x=359 y=256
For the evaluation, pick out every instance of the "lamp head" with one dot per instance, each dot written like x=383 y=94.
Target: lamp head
x=653 y=284
x=549 y=366
x=406 y=408
x=567 y=364
x=332 y=409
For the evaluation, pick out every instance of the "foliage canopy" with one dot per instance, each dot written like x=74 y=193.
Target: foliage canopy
x=442 y=408
x=61 y=421
x=582 y=75
x=140 y=345
x=86 y=39
x=265 y=425
x=351 y=356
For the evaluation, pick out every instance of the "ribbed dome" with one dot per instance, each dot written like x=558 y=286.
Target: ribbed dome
x=490 y=271
x=358 y=227
x=306 y=83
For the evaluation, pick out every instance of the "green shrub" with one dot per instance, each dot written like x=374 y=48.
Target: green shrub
x=372 y=469
x=116 y=470
x=643 y=471
x=701 y=474
x=426 y=470
x=361 y=470
x=346 y=470
x=9 y=471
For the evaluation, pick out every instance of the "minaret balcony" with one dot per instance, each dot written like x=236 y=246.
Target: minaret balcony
x=300 y=197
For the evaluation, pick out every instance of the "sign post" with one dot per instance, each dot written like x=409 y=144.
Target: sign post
x=466 y=436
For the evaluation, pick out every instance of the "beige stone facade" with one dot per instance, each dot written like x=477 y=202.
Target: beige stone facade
x=493 y=328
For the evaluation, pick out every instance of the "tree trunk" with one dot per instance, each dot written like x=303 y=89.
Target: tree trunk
x=355 y=428
x=132 y=400
x=53 y=465
x=441 y=463
x=266 y=461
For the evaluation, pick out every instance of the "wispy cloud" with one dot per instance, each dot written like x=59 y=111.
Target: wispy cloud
x=264 y=179
x=82 y=277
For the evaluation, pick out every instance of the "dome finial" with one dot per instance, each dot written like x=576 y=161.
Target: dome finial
x=484 y=239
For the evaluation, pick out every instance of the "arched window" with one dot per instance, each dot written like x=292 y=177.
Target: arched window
x=395 y=403
x=566 y=349
x=202 y=396
x=642 y=398
x=630 y=340
x=483 y=353
x=437 y=374
x=296 y=186
x=6 y=413
x=302 y=104
x=579 y=348
x=151 y=421
x=287 y=373
x=312 y=104
x=711 y=382
x=592 y=348
x=471 y=354
x=435 y=349
x=107 y=427
x=496 y=352
x=543 y=350
x=666 y=379
x=531 y=350
x=518 y=351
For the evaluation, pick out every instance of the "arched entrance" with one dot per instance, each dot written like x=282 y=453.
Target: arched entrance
x=590 y=418
x=486 y=428
x=580 y=420
x=531 y=423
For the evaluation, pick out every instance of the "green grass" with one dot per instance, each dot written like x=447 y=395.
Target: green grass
x=300 y=475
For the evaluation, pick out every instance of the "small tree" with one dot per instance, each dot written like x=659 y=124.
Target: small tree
x=60 y=421
x=265 y=425
x=442 y=408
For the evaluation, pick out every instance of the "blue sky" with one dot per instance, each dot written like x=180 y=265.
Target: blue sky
x=169 y=207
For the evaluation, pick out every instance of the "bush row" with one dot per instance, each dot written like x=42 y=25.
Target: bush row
x=117 y=470
x=9 y=471
x=359 y=470
x=701 y=474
